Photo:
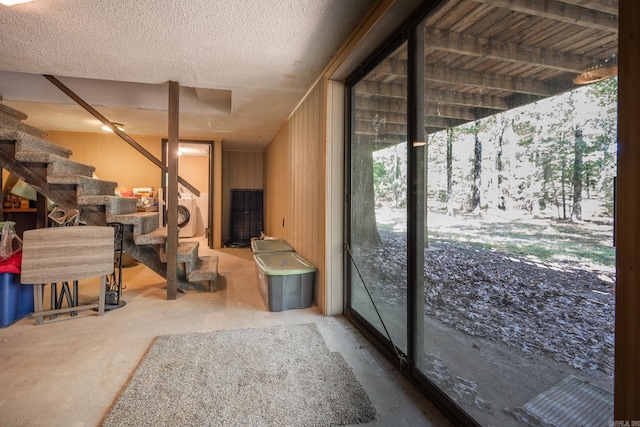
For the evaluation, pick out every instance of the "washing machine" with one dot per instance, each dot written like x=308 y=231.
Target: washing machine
x=187 y=218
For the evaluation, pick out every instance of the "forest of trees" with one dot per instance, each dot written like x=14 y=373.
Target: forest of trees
x=545 y=158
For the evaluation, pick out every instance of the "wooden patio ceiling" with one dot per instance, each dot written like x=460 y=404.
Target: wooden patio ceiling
x=487 y=56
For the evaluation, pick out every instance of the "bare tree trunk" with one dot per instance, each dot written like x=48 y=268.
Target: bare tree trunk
x=564 y=190
x=546 y=178
x=576 y=213
x=397 y=190
x=502 y=201
x=364 y=230
x=450 y=172
x=477 y=175
x=555 y=198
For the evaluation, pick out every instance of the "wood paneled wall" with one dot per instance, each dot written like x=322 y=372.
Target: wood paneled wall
x=627 y=327
x=294 y=184
x=113 y=158
x=240 y=171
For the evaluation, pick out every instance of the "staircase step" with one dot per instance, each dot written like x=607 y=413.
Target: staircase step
x=72 y=183
x=5 y=110
x=13 y=123
x=156 y=237
x=205 y=270
x=187 y=253
x=114 y=205
x=30 y=143
x=143 y=222
x=187 y=287
x=56 y=165
x=85 y=186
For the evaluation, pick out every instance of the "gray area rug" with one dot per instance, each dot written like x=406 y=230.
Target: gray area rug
x=572 y=402
x=277 y=376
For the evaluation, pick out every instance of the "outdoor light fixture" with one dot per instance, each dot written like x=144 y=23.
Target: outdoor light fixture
x=14 y=2
x=604 y=70
x=118 y=125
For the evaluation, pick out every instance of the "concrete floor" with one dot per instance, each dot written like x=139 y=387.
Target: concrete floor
x=68 y=371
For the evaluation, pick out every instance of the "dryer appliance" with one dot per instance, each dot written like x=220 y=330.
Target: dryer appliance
x=187 y=217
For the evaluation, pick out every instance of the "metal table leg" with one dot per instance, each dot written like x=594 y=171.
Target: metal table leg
x=114 y=281
x=58 y=298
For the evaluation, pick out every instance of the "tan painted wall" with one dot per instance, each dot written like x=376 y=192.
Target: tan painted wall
x=294 y=184
x=195 y=170
x=113 y=158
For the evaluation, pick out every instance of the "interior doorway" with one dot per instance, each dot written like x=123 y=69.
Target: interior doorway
x=195 y=165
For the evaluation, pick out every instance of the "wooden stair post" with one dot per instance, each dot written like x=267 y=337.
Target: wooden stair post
x=172 y=193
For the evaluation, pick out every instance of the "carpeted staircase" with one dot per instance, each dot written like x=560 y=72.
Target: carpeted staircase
x=48 y=168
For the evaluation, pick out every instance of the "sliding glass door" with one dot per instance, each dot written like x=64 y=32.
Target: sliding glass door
x=378 y=199
x=481 y=160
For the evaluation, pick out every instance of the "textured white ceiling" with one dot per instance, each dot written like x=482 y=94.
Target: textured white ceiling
x=260 y=56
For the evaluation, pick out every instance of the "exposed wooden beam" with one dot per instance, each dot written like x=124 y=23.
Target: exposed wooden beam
x=383 y=104
x=392 y=67
x=438 y=73
x=383 y=141
x=458 y=112
x=364 y=127
x=392 y=112
x=442 y=74
x=437 y=116
x=444 y=111
x=519 y=99
x=464 y=99
x=381 y=117
x=608 y=6
x=368 y=88
x=504 y=51
x=385 y=96
x=559 y=11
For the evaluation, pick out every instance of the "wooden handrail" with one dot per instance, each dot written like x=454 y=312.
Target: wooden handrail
x=117 y=131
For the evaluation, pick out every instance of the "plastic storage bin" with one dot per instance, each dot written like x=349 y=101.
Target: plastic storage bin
x=16 y=299
x=270 y=245
x=286 y=279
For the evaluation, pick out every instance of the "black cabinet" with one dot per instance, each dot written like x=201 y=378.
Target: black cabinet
x=246 y=217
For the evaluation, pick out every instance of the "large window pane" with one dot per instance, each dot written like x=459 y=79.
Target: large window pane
x=378 y=222
x=519 y=263
x=505 y=250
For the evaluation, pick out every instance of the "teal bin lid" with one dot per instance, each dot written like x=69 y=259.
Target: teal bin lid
x=270 y=245
x=283 y=264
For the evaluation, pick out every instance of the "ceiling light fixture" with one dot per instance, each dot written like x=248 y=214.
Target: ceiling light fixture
x=118 y=125
x=604 y=70
x=14 y=2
